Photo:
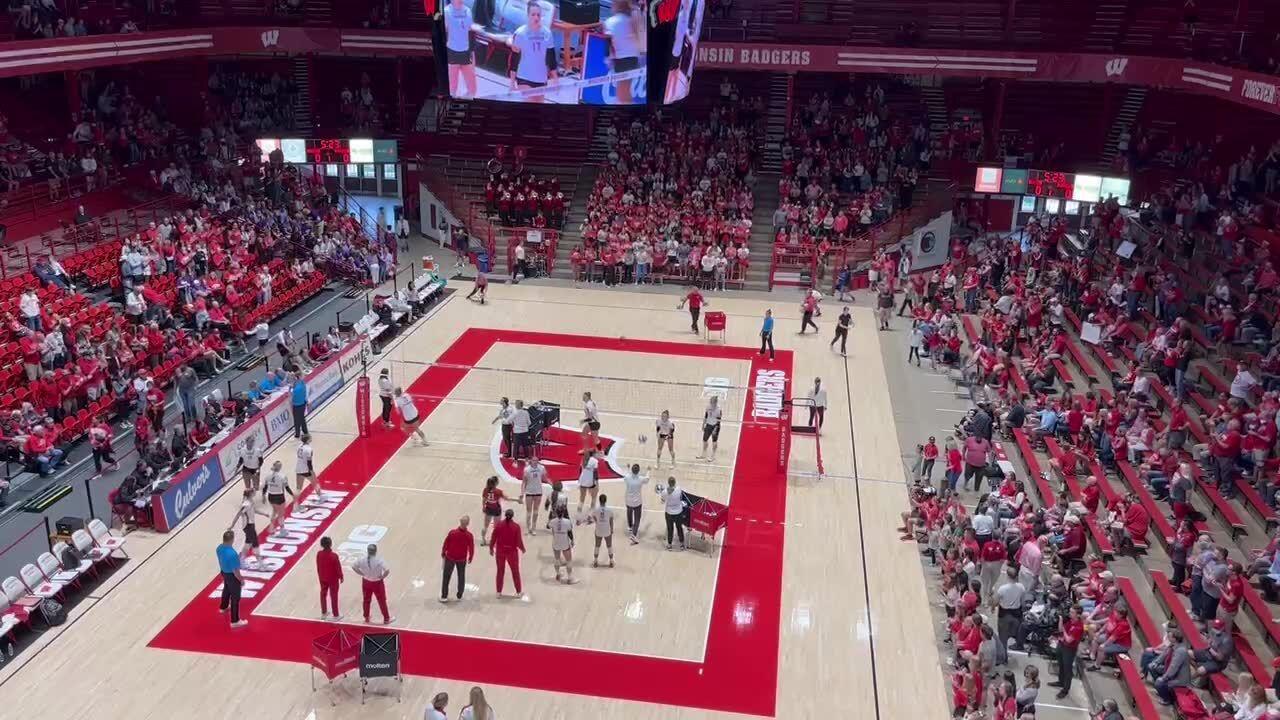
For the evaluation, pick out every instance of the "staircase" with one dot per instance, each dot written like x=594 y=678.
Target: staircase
x=1107 y=27
x=598 y=150
x=454 y=117
x=1124 y=121
x=302 y=100
x=935 y=102
x=775 y=129
x=760 y=242
x=572 y=233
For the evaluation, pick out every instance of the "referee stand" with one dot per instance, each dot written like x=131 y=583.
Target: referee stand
x=806 y=406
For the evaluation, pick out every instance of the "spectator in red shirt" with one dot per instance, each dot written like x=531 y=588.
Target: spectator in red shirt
x=1114 y=638
x=1070 y=633
x=459 y=550
x=40 y=452
x=695 y=301
x=1224 y=449
x=329 y=571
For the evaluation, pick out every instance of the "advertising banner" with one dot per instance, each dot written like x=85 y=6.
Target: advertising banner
x=187 y=492
x=278 y=419
x=232 y=449
x=362 y=405
x=323 y=383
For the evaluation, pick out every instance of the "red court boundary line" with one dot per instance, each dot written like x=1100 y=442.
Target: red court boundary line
x=739 y=670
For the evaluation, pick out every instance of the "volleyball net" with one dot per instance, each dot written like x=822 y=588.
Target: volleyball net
x=627 y=405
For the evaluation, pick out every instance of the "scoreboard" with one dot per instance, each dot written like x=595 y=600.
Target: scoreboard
x=1050 y=184
x=344 y=151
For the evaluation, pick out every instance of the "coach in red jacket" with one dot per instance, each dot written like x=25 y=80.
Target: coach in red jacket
x=458 y=552
x=506 y=545
x=329 y=570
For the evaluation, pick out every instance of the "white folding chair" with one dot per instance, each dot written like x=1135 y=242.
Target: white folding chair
x=54 y=572
x=101 y=535
x=9 y=618
x=17 y=594
x=86 y=565
x=84 y=543
x=39 y=585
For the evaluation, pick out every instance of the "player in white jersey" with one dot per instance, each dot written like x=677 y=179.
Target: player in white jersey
x=386 y=393
x=409 y=415
x=602 y=517
x=625 y=31
x=531 y=481
x=274 y=487
x=590 y=423
x=588 y=479
x=251 y=463
x=458 y=22
x=562 y=542
x=304 y=471
x=634 y=483
x=245 y=518
x=534 y=54
x=557 y=500
x=711 y=428
x=666 y=432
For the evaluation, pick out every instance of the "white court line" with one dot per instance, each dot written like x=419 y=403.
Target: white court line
x=962 y=412
x=433 y=491
x=943 y=392
x=492 y=638
x=1062 y=707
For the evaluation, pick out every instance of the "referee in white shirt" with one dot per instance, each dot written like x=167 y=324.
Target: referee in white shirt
x=818 y=409
x=506 y=415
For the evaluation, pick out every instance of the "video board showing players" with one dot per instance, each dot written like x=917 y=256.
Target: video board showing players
x=546 y=51
x=684 y=49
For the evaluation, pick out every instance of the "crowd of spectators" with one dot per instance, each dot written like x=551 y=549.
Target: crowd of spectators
x=1184 y=411
x=846 y=167
x=359 y=108
x=48 y=19
x=674 y=199
x=250 y=102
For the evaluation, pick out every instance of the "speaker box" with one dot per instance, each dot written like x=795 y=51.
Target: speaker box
x=67 y=525
x=580 y=12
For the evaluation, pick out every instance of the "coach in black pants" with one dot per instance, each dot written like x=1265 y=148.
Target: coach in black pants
x=298 y=396
x=459 y=550
x=232 y=583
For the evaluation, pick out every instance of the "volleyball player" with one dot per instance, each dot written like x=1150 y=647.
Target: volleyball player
x=562 y=542
x=409 y=414
x=385 y=393
x=675 y=78
x=274 y=487
x=666 y=432
x=251 y=462
x=534 y=53
x=588 y=479
x=557 y=500
x=634 y=482
x=590 y=422
x=491 y=505
x=602 y=518
x=624 y=31
x=507 y=416
x=531 y=488
x=244 y=517
x=304 y=471
x=462 y=59
x=711 y=428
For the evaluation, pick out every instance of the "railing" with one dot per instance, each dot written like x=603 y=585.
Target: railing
x=32 y=200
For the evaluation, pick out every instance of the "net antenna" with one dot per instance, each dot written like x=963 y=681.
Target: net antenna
x=803 y=423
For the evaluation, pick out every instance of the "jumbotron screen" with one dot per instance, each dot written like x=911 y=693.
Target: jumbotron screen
x=567 y=52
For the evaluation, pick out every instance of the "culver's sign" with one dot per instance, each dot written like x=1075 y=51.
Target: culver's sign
x=189 y=491
x=323 y=384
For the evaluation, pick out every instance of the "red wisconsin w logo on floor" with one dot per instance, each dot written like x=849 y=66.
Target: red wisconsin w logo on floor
x=561 y=455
